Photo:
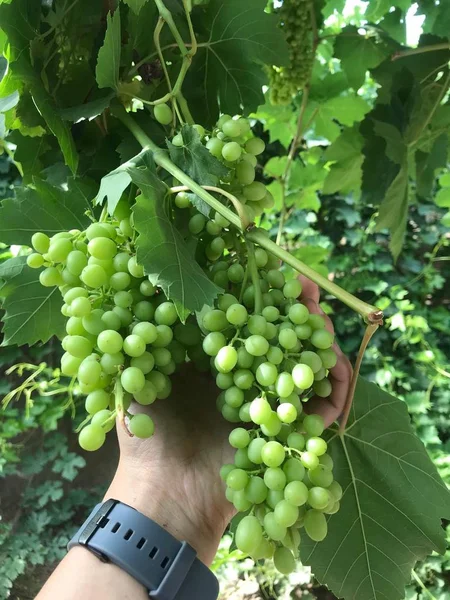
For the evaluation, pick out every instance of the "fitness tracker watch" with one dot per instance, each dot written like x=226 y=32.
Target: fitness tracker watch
x=167 y=568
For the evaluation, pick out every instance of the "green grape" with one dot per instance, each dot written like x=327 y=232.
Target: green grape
x=298 y=314
x=77 y=346
x=234 y=397
x=239 y=438
x=225 y=470
x=162 y=357
x=145 y=362
x=303 y=332
x=231 y=151
x=275 y=479
x=213 y=229
x=215 y=320
x=35 y=260
x=255 y=449
x=255 y=146
x=166 y=314
x=111 y=320
x=213 y=342
x=264 y=550
x=70 y=364
x=59 y=249
x=143 y=310
x=164 y=335
x=273 y=454
x=50 y=277
x=225 y=301
x=215 y=146
x=147 y=395
x=40 y=242
x=316 y=445
x=97 y=400
x=123 y=299
x=141 y=426
x=316 y=322
x=120 y=262
x=322 y=339
x=89 y=371
x=135 y=269
x=147 y=331
x=241 y=459
x=321 y=374
x=309 y=460
x=266 y=374
x=243 y=379
x=96 y=230
x=237 y=315
x=302 y=376
x=296 y=493
x=296 y=440
x=256 y=490
x=316 y=525
x=245 y=360
x=321 y=476
x=92 y=437
x=286 y=514
x=313 y=425
x=224 y=381
x=70 y=279
x=287 y=413
x=94 y=276
x=133 y=380
x=260 y=411
x=245 y=173
x=240 y=501
x=318 y=497
x=271 y=313
x=226 y=359
x=237 y=479
x=284 y=560
x=229 y=494
x=80 y=307
x=231 y=128
x=230 y=414
x=312 y=360
x=103 y=418
x=328 y=358
x=293 y=469
x=322 y=388
x=274 y=530
x=147 y=289
x=125 y=315
x=256 y=345
x=284 y=385
x=236 y=273
x=102 y=248
x=244 y=413
x=272 y=426
x=77 y=292
x=335 y=490
x=292 y=288
x=112 y=362
x=222 y=120
x=134 y=345
x=257 y=325
x=163 y=114
x=255 y=191
x=110 y=341
x=287 y=339
x=275 y=355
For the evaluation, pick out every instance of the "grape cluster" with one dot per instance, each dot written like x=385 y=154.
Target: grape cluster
x=121 y=341
x=295 y=20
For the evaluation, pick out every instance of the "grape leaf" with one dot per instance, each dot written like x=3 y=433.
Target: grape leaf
x=86 y=111
x=162 y=250
x=279 y=121
x=347 y=110
x=345 y=174
x=29 y=153
x=32 y=312
x=375 y=10
x=392 y=506
x=20 y=21
x=45 y=208
x=136 y=5
x=358 y=54
x=227 y=70
x=393 y=211
x=108 y=62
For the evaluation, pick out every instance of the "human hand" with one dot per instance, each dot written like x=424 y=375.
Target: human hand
x=173 y=477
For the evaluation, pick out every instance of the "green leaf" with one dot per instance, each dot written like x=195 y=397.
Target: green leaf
x=20 y=21
x=391 y=510
x=279 y=121
x=441 y=25
x=347 y=110
x=195 y=159
x=395 y=145
x=29 y=153
x=115 y=183
x=378 y=8
x=9 y=102
x=32 y=312
x=275 y=166
x=358 y=54
x=45 y=208
x=393 y=212
x=442 y=198
x=136 y=5
x=227 y=70
x=163 y=252
x=86 y=111
x=108 y=62
x=345 y=174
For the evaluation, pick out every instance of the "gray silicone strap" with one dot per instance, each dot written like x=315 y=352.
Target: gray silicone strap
x=169 y=569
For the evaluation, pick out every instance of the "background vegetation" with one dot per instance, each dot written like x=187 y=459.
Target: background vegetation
x=45 y=484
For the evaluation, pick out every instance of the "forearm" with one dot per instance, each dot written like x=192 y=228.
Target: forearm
x=82 y=576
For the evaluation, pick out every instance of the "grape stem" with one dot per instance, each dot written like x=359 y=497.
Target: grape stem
x=253 y=270
x=235 y=202
x=369 y=313
x=370 y=330
x=118 y=401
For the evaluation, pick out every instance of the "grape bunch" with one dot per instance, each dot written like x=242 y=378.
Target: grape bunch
x=295 y=21
x=269 y=355
x=121 y=341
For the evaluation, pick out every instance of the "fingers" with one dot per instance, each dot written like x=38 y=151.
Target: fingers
x=310 y=289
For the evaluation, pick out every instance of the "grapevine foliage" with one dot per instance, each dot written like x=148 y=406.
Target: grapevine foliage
x=146 y=211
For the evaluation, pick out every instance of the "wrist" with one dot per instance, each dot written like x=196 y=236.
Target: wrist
x=158 y=498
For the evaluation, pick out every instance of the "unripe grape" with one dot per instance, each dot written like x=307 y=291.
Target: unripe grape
x=133 y=380
x=40 y=242
x=231 y=151
x=92 y=437
x=255 y=146
x=163 y=114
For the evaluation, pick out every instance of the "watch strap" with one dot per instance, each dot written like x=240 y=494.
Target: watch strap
x=168 y=568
